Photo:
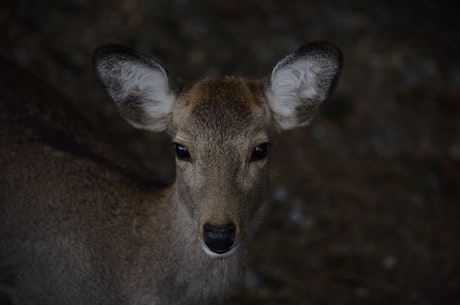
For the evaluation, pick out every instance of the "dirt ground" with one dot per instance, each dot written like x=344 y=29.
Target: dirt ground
x=364 y=203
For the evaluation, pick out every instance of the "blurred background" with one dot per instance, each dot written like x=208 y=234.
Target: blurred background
x=364 y=203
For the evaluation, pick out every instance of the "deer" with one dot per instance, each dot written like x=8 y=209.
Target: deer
x=80 y=223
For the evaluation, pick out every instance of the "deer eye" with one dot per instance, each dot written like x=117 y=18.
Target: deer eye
x=260 y=152
x=182 y=152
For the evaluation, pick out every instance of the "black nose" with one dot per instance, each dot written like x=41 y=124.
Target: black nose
x=219 y=239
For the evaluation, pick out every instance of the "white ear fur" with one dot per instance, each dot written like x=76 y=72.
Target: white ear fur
x=139 y=86
x=301 y=82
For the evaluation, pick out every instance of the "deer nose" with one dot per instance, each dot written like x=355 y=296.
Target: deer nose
x=219 y=239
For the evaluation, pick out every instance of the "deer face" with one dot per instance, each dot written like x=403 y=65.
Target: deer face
x=221 y=129
x=221 y=133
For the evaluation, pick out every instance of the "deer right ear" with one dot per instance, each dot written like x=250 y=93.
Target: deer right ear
x=301 y=82
x=142 y=89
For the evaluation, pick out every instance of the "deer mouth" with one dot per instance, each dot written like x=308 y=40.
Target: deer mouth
x=213 y=254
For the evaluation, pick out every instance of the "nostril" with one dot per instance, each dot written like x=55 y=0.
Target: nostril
x=219 y=239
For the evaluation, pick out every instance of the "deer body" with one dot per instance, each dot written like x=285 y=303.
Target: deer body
x=79 y=224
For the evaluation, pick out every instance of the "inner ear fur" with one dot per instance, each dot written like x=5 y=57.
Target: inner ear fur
x=301 y=82
x=142 y=89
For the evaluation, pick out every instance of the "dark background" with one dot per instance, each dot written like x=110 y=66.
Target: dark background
x=364 y=204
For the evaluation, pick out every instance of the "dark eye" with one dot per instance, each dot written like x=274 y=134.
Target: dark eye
x=260 y=152
x=182 y=152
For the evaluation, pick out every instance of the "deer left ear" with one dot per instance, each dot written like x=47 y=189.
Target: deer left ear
x=141 y=88
x=301 y=82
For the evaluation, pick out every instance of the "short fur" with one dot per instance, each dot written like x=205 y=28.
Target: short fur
x=80 y=224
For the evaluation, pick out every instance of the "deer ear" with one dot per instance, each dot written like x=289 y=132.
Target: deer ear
x=142 y=89
x=301 y=82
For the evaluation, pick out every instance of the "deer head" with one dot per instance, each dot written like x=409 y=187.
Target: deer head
x=221 y=130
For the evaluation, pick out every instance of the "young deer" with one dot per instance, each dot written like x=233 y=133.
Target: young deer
x=78 y=225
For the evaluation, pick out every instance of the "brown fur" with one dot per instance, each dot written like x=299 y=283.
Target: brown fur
x=80 y=224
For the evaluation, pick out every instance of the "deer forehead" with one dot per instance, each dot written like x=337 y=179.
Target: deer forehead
x=222 y=109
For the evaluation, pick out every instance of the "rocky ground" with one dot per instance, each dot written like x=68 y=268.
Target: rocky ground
x=364 y=204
